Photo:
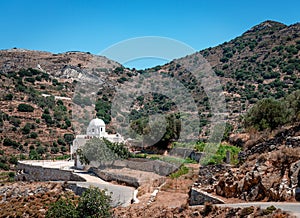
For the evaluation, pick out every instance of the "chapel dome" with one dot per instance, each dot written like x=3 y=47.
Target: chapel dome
x=97 y=122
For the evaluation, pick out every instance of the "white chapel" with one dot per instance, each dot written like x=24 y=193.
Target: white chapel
x=96 y=129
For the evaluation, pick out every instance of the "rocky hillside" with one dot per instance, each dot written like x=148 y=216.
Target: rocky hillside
x=262 y=62
x=36 y=106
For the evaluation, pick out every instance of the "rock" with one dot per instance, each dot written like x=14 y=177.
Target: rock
x=297 y=194
x=295 y=174
x=199 y=197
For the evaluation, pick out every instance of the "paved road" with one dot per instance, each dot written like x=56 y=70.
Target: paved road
x=121 y=195
x=294 y=208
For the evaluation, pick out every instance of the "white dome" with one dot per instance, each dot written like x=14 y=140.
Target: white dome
x=97 y=122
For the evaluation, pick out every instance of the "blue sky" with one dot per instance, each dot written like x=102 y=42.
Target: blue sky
x=93 y=25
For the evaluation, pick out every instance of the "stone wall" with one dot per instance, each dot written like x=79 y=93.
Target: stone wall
x=108 y=176
x=199 y=197
x=286 y=136
x=39 y=173
x=186 y=153
x=156 y=166
x=181 y=152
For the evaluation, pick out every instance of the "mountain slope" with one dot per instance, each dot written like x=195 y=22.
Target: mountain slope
x=262 y=62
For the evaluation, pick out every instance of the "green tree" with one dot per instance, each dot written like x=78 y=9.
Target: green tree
x=266 y=114
x=33 y=155
x=68 y=138
x=26 y=129
x=62 y=208
x=292 y=103
x=25 y=108
x=94 y=203
x=95 y=149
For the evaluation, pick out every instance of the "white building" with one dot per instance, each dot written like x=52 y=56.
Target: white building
x=96 y=129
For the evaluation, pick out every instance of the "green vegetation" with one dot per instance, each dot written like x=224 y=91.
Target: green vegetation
x=103 y=106
x=12 y=143
x=181 y=171
x=99 y=150
x=62 y=208
x=25 y=108
x=8 y=97
x=271 y=114
x=220 y=155
x=269 y=210
x=93 y=203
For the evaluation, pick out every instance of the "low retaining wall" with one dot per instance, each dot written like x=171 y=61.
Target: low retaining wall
x=185 y=153
x=107 y=176
x=156 y=166
x=199 y=197
x=39 y=173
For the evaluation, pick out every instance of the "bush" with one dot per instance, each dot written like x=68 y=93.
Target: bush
x=26 y=129
x=33 y=155
x=41 y=150
x=63 y=208
x=54 y=150
x=9 y=142
x=11 y=174
x=63 y=149
x=182 y=171
x=33 y=135
x=4 y=166
x=47 y=118
x=25 y=108
x=60 y=141
x=13 y=160
x=220 y=155
x=30 y=79
x=69 y=138
x=8 y=97
x=266 y=114
x=94 y=203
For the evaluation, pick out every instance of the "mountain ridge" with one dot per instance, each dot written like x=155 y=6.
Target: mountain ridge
x=262 y=62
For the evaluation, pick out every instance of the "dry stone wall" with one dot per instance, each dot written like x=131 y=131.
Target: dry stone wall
x=27 y=172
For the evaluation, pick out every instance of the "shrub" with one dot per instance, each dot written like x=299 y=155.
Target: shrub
x=30 y=79
x=182 y=171
x=267 y=113
x=11 y=174
x=13 y=160
x=25 y=108
x=4 y=166
x=69 y=138
x=8 y=97
x=9 y=142
x=94 y=203
x=60 y=141
x=26 y=129
x=63 y=149
x=47 y=118
x=33 y=135
x=33 y=155
x=62 y=208
x=41 y=150
x=220 y=155
x=54 y=150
